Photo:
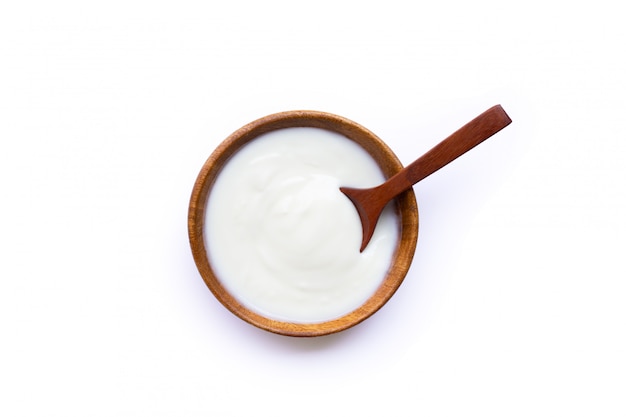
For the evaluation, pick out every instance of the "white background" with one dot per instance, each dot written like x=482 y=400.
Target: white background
x=514 y=305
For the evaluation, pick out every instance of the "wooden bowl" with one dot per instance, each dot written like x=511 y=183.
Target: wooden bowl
x=406 y=208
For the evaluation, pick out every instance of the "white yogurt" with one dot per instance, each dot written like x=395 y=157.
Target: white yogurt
x=284 y=240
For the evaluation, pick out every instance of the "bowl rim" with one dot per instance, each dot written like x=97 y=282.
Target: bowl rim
x=405 y=204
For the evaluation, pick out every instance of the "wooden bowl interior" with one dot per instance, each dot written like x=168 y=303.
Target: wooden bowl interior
x=405 y=204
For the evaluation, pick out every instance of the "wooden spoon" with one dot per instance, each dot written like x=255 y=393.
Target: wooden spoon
x=370 y=202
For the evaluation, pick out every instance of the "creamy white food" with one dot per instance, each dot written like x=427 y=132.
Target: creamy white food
x=284 y=240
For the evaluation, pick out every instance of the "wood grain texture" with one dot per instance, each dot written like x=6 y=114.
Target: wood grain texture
x=406 y=207
x=370 y=202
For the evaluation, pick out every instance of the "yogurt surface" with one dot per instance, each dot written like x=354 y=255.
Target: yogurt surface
x=282 y=238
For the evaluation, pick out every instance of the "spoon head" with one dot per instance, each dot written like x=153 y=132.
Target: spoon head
x=369 y=209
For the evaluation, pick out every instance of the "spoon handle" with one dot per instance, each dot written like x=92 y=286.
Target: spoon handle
x=461 y=141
